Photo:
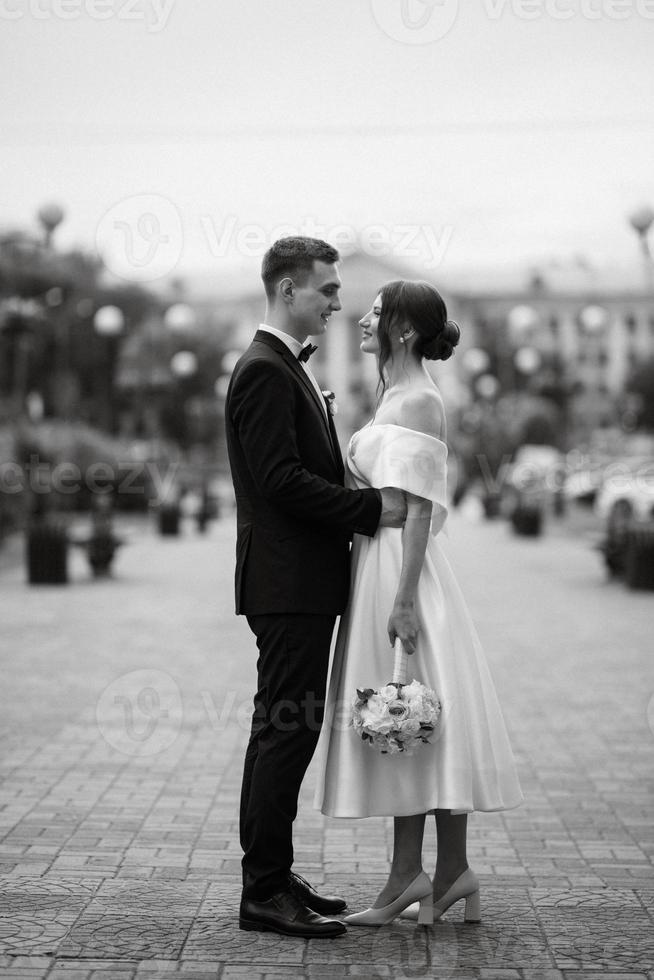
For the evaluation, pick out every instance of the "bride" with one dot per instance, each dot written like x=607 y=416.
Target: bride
x=403 y=588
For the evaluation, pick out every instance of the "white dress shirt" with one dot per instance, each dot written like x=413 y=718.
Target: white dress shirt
x=295 y=347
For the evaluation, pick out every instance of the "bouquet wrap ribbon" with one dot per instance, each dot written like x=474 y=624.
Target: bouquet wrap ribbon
x=400 y=663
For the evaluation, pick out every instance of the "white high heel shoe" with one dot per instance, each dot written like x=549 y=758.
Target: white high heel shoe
x=466 y=886
x=419 y=891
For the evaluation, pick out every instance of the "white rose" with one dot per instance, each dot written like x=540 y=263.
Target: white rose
x=375 y=715
x=399 y=710
x=411 y=726
x=411 y=690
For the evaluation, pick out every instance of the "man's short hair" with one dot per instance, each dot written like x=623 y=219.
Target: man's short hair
x=294 y=257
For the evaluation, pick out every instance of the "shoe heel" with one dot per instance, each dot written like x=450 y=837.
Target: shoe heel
x=426 y=911
x=473 y=908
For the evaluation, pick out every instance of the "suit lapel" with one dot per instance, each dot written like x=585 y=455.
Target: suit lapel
x=301 y=375
x=335 y=446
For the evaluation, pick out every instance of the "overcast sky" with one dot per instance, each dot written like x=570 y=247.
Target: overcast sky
x=180 y=136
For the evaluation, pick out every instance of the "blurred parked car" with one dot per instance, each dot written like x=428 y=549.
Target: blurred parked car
x=624 y=500
x=531 y=483
x=583 y=482
x=535 y=473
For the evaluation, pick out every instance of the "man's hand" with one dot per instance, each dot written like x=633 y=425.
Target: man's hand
x=393 y=508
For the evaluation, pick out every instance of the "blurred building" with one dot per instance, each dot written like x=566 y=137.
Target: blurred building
x=565 y=340
x=581 y=343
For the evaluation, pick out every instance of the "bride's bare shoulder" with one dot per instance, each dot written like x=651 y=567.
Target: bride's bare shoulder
x=422 y=409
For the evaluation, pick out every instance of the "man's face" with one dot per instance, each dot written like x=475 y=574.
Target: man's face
x=315 y=299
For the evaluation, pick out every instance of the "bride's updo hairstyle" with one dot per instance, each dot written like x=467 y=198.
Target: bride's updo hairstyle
x=417 y=304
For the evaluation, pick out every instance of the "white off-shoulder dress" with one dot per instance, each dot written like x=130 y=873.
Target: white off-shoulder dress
x=469 y=764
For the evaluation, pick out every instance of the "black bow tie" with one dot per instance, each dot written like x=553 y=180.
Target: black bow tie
x=306 y=353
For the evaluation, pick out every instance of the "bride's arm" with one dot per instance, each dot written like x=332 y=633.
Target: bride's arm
x=422 y=412
x=403 y=621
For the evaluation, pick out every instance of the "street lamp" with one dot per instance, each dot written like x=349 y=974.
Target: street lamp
x=641 y=221
x=108 y=323
x=183 y=365
x=50 y=217
x=521 y=321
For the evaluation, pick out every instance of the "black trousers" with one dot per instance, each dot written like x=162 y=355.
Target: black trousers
x=288 y=713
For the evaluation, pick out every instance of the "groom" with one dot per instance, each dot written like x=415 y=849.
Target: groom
x=295 y=523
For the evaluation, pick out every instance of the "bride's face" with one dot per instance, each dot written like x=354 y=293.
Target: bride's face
x=369 y=324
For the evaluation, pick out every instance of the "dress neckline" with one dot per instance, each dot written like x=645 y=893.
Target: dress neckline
x=404 y=428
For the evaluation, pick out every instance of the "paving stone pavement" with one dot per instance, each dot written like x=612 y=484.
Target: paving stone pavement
x=125 y=709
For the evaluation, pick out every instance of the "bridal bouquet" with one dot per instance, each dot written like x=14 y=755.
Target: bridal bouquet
x=399 y=716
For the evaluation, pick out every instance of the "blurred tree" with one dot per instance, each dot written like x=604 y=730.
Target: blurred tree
x=47 y=342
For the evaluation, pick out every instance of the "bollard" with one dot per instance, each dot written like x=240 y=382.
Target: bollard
x=101 y=548
x=169 y=515
x=559 y=506
x=207 y=510
x=492 y=504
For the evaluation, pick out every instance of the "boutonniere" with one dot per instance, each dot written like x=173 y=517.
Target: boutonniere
x=330 y=399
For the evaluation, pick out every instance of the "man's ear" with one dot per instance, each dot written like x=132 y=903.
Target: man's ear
x=286 y=289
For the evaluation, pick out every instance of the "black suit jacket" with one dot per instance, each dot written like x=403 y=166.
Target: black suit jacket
x=295 y=519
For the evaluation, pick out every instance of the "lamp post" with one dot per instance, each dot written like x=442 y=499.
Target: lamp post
x=50 y=217
x=521 y=323
x=641 y=221
x=183 y=365
x=108 y=323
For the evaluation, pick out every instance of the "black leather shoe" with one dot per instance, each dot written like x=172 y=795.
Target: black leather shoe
x=285 y=914
x=322 y=904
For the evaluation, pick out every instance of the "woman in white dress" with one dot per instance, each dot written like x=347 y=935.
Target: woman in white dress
x=403 y=588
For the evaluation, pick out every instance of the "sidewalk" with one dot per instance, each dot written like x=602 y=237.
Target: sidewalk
x=125 y=709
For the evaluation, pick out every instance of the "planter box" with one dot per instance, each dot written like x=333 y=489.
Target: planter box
x=47 y=555
x=527 y=520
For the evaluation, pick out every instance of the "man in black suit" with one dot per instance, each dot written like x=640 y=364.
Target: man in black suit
x=295 y=523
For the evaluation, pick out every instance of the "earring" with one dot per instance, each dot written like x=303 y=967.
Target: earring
x=401 y=340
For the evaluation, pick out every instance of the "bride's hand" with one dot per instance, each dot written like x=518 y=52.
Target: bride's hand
x=403 y=622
